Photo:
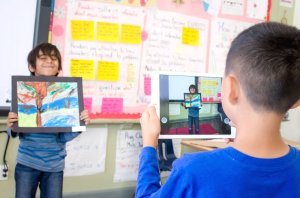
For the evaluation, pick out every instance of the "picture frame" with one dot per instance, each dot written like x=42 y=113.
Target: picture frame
x=192 y=100
x=47 y=104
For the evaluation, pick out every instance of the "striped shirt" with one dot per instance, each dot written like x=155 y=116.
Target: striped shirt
x=44 y=151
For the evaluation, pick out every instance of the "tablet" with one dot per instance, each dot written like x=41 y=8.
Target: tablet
x=189 y=105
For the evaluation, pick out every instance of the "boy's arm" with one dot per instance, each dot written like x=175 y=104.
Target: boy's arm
x=148 y=181
x=148 y=177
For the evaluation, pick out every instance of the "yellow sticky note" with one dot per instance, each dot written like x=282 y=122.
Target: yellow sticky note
x=82 y=30
x=207 y=92
x=108 y=71
x=131 y=34
x=82 y=68
x=107 y=32
x=210 y=83
x=190 y=36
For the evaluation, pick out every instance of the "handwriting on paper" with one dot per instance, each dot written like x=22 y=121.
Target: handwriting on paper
x=129 y=145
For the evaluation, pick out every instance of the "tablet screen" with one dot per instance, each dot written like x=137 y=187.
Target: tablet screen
x=189 y=105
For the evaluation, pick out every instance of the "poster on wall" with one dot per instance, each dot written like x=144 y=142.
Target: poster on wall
x=116 y=50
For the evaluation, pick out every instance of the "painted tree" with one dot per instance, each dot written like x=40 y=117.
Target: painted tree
x=37 y=91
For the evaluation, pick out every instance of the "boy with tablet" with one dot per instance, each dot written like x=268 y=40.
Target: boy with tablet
x=260 y=84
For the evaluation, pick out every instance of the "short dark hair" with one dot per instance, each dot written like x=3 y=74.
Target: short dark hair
x=192 y=87
x=47 y=49
x=266 y=60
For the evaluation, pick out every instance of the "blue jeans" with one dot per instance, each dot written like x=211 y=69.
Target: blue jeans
x=28 y=179
x=193 y=121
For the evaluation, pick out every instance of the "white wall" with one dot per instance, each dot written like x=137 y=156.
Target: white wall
x=296 y=21
x=291 y=129
x=17 y=18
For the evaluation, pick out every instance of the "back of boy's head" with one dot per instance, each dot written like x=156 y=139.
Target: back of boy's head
x=265 y=58
x=46 y=49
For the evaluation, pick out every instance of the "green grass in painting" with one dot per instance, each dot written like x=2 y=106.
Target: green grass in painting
x=26 y=120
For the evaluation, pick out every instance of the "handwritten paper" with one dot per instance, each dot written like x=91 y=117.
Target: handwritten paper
x=107 y=32
x=233 y=7
x=190 y=36
x=131 y=34
x=144 y=39
x=223 y=32
x=118 y=73
x=129 y=146
x=112 y=105
x=286 y=3
x=257 y=9
x=86 y=153
x=82 y=68
x=108 y=71
x=82 y=30
x=165 y=50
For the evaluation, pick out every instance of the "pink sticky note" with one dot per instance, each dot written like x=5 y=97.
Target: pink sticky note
x=88 y=104
x=112 y=105
x=219 y=94
x=147 y=85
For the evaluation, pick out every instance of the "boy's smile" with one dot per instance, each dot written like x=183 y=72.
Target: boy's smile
x=45 y=65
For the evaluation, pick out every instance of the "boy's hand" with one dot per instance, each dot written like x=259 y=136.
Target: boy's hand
x=11 y=119
x=150 y=127
x=85 y=117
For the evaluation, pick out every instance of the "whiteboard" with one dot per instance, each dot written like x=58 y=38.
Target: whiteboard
x=176 y=89
x=17 y=19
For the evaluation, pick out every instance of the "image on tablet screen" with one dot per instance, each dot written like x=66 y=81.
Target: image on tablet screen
x=189 y=106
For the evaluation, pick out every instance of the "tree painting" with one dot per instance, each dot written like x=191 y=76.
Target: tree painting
x=52 y=103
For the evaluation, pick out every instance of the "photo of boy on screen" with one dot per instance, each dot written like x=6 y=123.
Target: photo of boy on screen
x=192 y=102
x=190 y=106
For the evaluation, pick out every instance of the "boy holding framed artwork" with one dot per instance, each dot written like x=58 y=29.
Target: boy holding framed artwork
x=41 y=156
x=192 y=102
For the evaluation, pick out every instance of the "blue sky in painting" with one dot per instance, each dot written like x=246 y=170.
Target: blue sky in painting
x=71 y=102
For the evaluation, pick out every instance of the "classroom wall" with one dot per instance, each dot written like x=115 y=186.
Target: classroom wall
x=102 y=183
x=290 y=129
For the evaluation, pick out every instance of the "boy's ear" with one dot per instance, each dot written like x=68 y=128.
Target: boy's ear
x=296 y=104
x=31 y=69
x=232 y=89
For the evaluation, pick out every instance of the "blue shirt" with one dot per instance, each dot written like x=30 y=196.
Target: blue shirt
x=194 y=111
x=44 y=151
x=221 y=173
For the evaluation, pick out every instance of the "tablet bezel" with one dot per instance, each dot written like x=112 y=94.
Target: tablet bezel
x=155 y=100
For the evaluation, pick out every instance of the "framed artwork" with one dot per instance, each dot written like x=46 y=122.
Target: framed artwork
x=192 y=100
x=47 y=104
